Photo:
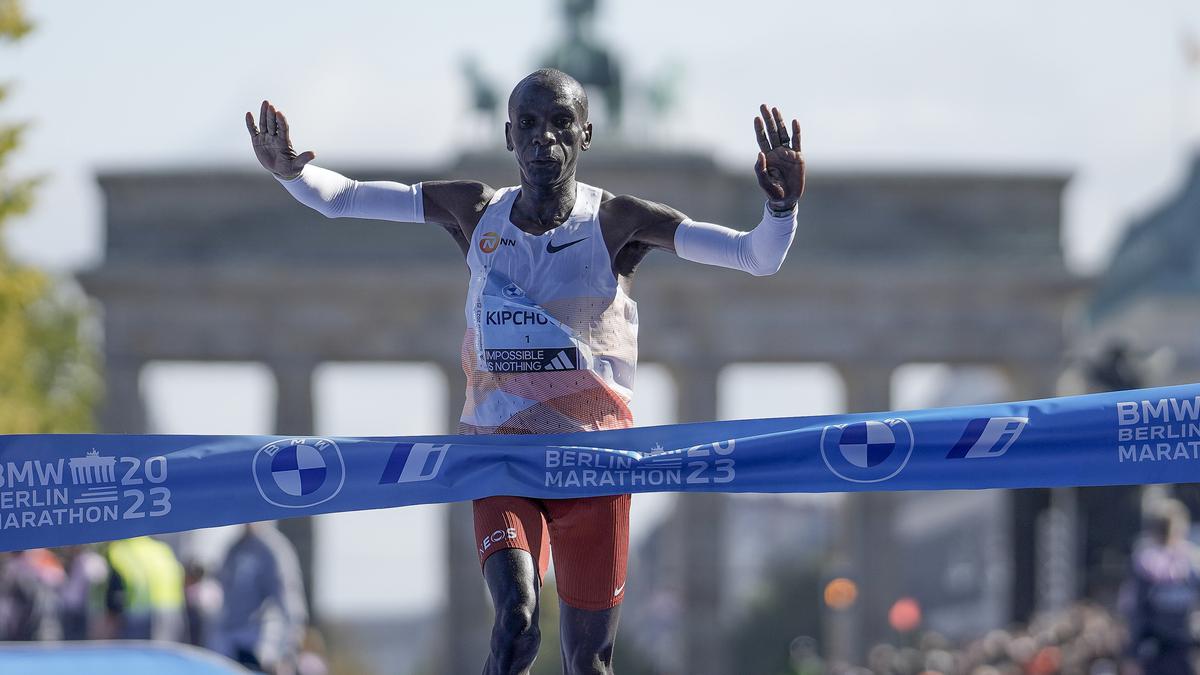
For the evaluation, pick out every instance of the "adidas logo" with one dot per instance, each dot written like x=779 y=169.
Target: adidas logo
x=560 y=362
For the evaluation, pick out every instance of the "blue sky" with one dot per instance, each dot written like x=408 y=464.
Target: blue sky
x=1096 y=88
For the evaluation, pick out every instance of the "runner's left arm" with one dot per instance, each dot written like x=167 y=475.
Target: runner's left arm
x=760 y=251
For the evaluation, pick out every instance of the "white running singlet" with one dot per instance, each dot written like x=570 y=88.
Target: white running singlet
x=551 y=340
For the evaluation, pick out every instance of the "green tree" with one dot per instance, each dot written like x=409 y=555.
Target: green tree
x=48 y=377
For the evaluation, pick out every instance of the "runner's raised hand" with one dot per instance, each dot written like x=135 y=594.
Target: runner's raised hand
x=780 y=166
x=273 y=144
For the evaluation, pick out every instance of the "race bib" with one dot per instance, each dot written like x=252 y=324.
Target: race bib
x=515 y=335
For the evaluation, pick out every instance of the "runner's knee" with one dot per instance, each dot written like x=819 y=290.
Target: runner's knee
x=517 y=619
x=513 y=582
x=516 y=636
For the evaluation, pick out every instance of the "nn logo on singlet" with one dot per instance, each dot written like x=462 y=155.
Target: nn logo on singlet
x=490 y=241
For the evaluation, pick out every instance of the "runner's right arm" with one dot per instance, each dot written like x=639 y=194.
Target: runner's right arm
x=456 y=205
x=335 y=196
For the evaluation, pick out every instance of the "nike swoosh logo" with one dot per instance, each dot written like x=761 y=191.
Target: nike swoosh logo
x=551 y=248
x=618 y=591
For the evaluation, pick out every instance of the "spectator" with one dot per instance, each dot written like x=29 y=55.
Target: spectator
x=202 y=597
x=29 y=583
x=1161 y=593
x=78 y=605
x=145 y=591
x=263 y=619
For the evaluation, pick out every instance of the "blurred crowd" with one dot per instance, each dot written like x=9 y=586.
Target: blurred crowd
x=1084 y=640
x=1154 y=630
x=251 y=607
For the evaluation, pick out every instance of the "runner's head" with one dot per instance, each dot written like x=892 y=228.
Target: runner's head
x=547 y=126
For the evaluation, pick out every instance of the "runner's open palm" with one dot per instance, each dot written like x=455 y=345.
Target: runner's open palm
x=273 y=144
x=780 y=166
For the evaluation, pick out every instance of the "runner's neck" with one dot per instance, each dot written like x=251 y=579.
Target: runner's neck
x=539 y=209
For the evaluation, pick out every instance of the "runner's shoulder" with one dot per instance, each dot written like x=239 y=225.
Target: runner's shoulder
x=635 y=212
x=461 y=192
x=459 y=196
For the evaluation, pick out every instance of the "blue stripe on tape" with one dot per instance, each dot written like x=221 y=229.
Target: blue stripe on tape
x=66 y=489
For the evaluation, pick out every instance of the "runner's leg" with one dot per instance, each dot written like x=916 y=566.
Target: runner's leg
x=511 y=538
x=588 y=638
x=513 y=581
x=590 y=539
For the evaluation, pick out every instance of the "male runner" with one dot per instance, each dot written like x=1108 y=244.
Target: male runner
x=551 y=340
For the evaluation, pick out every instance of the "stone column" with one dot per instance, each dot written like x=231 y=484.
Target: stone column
x=865 y=548
x=124 y=409
x=468 y=615
x=1057 y=548
x=294 y=417
x=1058 y=541
x=701 y=519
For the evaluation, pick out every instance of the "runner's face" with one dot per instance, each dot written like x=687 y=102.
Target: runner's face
x=547 y=130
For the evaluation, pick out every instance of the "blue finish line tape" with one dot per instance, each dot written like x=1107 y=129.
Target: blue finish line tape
x=71 y=489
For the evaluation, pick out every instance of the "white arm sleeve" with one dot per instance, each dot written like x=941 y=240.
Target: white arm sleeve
x=336 y=196
x=759 y=251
